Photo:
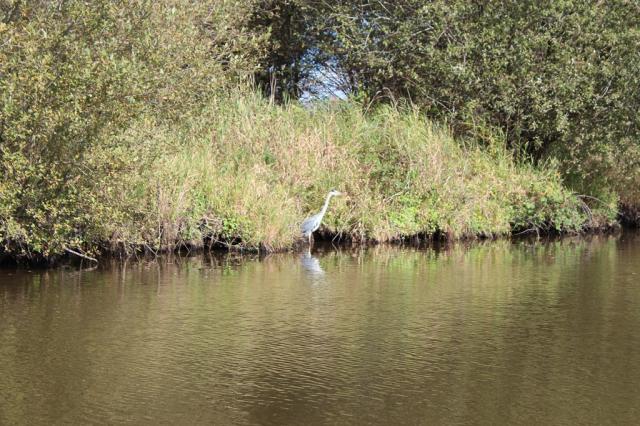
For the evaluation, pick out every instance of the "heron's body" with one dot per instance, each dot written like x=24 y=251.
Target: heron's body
x=311 y=224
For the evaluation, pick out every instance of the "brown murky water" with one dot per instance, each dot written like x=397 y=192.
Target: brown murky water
x=492 y=333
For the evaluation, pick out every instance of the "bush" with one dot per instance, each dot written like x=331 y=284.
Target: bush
x=559 y=78
x=73 y=74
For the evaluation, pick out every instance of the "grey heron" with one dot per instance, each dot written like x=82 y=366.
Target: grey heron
x=312 y=223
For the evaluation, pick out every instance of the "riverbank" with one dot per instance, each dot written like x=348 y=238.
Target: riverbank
x=244 y=173
x=128 y=128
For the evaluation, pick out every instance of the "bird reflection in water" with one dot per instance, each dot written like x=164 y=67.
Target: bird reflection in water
x=311 y=264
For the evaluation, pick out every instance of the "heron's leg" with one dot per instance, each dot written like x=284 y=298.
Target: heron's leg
x=310 y=239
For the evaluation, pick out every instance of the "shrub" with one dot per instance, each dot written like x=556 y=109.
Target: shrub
x=559 y=78
x=73 y=74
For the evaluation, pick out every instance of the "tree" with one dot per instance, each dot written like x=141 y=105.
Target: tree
x=75 y=74
x=559 y=78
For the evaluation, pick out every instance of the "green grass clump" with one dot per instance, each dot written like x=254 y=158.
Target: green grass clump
x=246 y=173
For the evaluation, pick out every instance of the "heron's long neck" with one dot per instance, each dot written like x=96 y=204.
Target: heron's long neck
x=326 y=204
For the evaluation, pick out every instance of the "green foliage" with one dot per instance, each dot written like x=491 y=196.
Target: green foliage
x=559 y=78
x=73 y=74
x=208 y=178
x=121 y=125
x=287 y=22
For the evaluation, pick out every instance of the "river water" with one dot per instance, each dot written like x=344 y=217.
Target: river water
x=485 y=333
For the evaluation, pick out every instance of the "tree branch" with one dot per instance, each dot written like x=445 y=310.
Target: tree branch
x=84 y=256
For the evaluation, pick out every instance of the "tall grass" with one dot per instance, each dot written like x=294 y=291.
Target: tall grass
x=245 y=173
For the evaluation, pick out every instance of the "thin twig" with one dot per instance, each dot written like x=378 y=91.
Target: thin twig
x=84 y=256
x=528 y=230
x=592 y=198
x=587 y=210
x=155 y=254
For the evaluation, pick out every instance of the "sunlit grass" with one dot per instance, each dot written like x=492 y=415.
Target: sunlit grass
x=246 y=173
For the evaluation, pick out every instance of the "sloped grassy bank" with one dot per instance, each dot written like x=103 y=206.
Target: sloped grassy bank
x=244 y=173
